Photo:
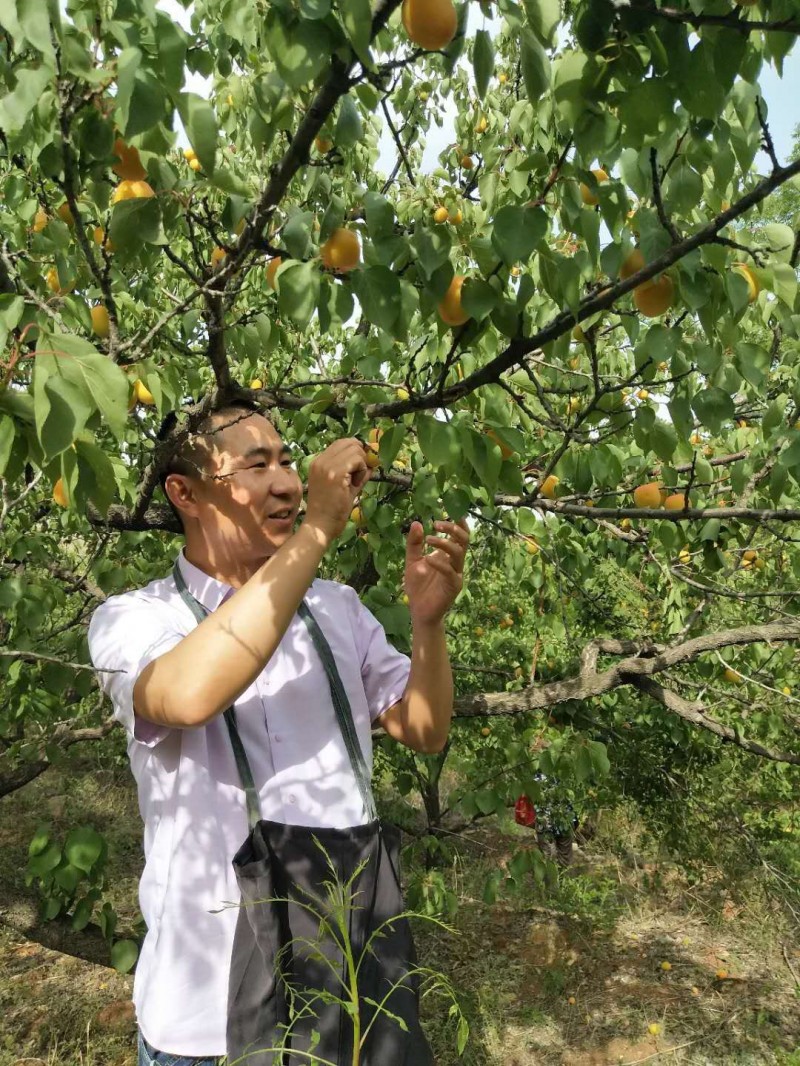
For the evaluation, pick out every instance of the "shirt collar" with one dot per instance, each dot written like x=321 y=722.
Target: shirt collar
x=205 y=589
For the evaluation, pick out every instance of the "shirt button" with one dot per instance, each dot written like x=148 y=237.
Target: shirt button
x=277 y=739
x=292 y=799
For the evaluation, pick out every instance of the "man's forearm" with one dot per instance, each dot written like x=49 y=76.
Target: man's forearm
x=428 y=698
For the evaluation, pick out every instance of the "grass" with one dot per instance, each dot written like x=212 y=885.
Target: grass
x=571 y=980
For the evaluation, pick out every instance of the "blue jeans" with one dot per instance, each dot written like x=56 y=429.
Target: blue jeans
x=148 y=1056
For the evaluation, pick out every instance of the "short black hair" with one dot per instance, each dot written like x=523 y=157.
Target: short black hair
x=184 y=459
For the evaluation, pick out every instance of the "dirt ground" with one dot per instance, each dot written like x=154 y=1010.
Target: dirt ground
x=630 y=964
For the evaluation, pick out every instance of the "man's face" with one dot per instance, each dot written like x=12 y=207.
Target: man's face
x=249 y=476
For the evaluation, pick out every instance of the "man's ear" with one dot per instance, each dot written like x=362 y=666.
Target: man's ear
x=181 y=491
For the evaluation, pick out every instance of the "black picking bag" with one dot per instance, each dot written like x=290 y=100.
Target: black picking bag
x=282 y=959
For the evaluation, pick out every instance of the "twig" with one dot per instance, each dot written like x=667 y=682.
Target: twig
x=662 y=214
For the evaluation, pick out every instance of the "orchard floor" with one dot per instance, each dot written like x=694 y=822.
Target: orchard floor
x=540 y=988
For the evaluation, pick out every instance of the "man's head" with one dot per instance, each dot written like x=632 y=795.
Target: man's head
x=226 y=484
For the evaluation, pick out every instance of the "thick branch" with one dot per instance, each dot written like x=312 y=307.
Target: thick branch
x=694 y=713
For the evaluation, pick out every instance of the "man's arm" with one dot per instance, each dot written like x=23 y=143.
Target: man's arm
x=421 y=719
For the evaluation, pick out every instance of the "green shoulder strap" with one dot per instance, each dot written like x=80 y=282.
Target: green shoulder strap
x=341 y=704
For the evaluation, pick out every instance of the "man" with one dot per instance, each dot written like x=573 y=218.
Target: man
x=238 y=495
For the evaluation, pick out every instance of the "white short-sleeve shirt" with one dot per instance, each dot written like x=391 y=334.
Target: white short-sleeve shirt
x=190 y=797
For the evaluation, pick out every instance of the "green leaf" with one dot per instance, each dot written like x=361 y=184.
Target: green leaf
x=356 y=18
x=297 y=234
x=483 y=61
x=35 y=24
x=517 y=231
x=83 y=847
x=439 y=442
x=380 y=216
x=200 y=123
x=72 y=368
x=298 y=292
x=68 y=877
x=535 y=66
x=349 y=128
x=6 y=441
x=41 y=838
x=432 y=248
x=134 y=221
x=478 y=298
x=44 y=861
x=124 y=954
x=378 y=291
x=128 y=62
x=16 y=106
x=543 y=17
x=300 y=48
x=713 y=406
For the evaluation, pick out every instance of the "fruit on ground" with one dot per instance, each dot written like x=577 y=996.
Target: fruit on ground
x=272 y=269
x=431 y=24
x=648 y=495
x=60 y=493
x=524 y=811
x=450 y=309
x=218 y=256
x=129 y=165
x=478 y=631
x=41 y=220
x=323 y=145
x=666 y=966
x=548 y=487
x=440 y=214
x=654 y=1028
x=132 y=190
x=675 y=502
x=486 y=731
x=733 y=676
x=341 y=252
x=143 y=394
x=65 y=214
x=99 y=320
x=588 y=195
x=632 y=264
x=256 y=383
x=655 y=297
x=753 y=287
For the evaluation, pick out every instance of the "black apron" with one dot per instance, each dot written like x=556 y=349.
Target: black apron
x=274 y=985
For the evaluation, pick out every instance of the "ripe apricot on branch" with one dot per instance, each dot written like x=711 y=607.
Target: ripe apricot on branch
x=505 y=451
x=632 y=264
x=218 y=256
x=143 y=394
x=256 y=383
x=440 y=214
x=129 y=166
x=99 y=320
x=455 y=218
x=323 y=145
x=132 y=190
x=450 y=309
x=548 y=487
x=467 y=162
x=588 y=195
x=654 y=298
x=733 y=676
x=431 y=24
x=675 y=502
x=60 y=493
x=65 y=214
x=272 y=269
x=341 y=252
x=41 y=220
x=648 y=495
x=753 y=287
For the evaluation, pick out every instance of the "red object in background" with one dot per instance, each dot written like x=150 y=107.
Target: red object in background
x=524 y=811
